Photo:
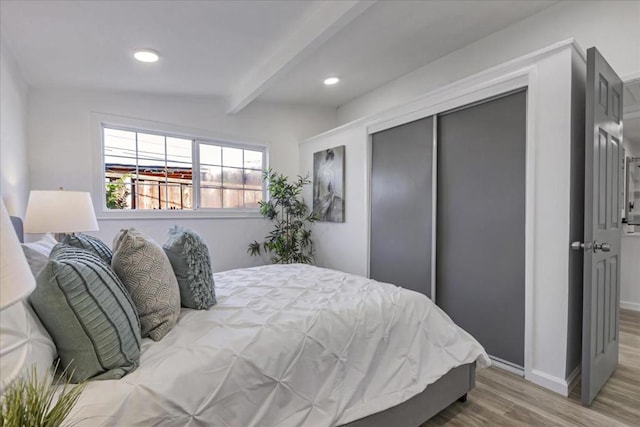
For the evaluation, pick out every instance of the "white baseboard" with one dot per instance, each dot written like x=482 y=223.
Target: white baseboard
x=574 y=379
x=509 y=367
x=629 y=305
x=550 y=382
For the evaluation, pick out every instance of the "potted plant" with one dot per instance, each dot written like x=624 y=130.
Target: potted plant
x=290 y=240
x=29 y=402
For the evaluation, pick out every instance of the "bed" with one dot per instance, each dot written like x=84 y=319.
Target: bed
x=294 y=345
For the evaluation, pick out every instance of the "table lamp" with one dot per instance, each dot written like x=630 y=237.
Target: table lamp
x=60 y=212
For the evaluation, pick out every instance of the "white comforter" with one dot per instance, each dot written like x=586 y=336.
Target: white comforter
x=286 y=345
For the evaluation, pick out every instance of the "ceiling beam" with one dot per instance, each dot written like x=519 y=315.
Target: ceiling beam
x=322 y=21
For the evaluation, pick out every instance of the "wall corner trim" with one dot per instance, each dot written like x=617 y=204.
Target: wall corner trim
x=558 y=385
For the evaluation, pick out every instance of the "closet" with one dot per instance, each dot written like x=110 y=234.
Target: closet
x=448 y=216
x=401 y=208
x=435 y=190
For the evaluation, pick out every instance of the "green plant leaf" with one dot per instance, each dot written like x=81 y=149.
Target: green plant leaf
x=28 y=402
x=290 y=239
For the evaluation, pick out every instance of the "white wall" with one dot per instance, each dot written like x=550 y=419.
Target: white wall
x=630 y=272
x=61 y=152
x=345 y=246
x=630 y=257
x=611 y=26
x=14 y=170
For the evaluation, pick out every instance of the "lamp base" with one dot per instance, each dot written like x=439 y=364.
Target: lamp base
x=60 y=236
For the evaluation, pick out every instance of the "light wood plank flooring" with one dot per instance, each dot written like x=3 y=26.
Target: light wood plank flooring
x=504 y=399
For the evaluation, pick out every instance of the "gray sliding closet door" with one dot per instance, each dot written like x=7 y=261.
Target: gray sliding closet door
x=480 y=241
x=400 y=249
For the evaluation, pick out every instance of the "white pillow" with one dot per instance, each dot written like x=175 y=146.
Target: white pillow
x=24 y=343
x=37 y=253
x=44 y=245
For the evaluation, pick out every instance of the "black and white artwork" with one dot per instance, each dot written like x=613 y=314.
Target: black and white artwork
x=328 y=184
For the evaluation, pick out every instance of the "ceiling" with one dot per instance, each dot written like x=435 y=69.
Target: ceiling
x=243 y=50
x=393 y=38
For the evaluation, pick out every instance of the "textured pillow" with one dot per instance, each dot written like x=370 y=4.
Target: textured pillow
x=90 y=243
x=146 y=272
x=89 y=315
x=189 y=257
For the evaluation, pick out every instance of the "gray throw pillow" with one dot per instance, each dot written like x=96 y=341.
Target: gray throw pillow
x=89 y=315
x=189 y=257
x=90 y=243
x=146 y=272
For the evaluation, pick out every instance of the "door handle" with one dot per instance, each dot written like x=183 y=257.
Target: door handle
x=604 y=247
x=578 y=246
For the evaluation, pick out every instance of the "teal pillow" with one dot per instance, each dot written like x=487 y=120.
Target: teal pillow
x=189 y=257
x=89 y=315
x=90 y=243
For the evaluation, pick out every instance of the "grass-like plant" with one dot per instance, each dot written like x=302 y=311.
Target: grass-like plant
x=29 y=403
x=290 y=240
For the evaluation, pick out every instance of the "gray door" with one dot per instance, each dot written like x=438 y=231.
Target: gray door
x=400 y=248
x=602 y=226
x=480 y=233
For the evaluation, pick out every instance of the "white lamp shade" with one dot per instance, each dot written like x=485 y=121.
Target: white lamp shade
x=16 y=279
x=60 y=212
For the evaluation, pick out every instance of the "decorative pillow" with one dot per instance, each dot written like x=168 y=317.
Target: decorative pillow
x=146 y=272
x=24 y=343
x=89 y=243
x=36 y=260
x=37 y=253
x=189 y=257
x=43 y=246
x=89 y=314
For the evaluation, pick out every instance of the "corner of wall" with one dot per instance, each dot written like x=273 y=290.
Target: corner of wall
x=14 y=167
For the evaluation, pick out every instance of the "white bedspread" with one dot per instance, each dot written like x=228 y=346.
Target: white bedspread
x=286 y=345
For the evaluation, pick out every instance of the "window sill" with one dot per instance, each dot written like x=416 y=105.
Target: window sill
x=172 y=214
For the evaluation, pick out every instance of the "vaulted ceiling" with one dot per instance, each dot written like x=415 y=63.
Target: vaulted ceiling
x=243 y=50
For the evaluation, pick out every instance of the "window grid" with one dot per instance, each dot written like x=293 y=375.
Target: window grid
x=226 y=166
x=139 y=182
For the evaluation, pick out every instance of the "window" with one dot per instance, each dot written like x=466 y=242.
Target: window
x=152 y=171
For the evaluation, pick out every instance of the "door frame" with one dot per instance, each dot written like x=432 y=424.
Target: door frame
x=627 y=79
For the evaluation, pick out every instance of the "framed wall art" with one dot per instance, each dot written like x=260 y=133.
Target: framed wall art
x=328 y=184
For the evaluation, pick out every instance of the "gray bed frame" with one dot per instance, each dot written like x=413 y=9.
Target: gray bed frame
x=453 y=386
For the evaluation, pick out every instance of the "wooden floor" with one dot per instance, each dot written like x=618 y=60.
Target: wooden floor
x=504 y=399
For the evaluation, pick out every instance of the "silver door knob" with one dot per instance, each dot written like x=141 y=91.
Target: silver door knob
x=604 y=247
x=578 y=246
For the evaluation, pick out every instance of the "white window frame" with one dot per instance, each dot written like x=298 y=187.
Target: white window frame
x=100 y=121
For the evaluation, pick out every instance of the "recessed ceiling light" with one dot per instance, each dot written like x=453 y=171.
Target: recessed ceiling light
x=331 y=81
x=146 y=55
